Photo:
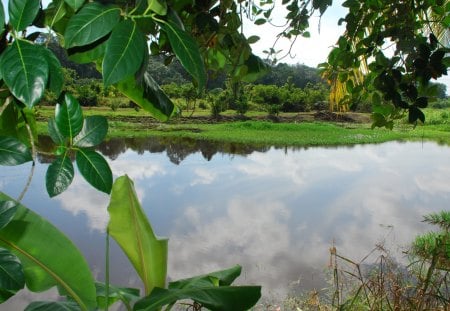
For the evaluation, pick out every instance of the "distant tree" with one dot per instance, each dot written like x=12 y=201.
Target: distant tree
x=82 y=70
x=299 y=75
x=441 y=90
x=189 y=93
x=166 y=74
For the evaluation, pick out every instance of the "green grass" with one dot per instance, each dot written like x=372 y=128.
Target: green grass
x=121 y=124
x=301 y=134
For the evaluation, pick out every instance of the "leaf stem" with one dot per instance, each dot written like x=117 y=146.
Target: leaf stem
x=33 y=156
x=8 y=101
x=159 y=20
x=107 y=269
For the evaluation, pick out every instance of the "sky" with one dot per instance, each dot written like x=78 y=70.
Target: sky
x=308 y=51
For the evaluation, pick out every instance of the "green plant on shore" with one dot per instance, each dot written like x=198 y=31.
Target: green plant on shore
x=385 y=284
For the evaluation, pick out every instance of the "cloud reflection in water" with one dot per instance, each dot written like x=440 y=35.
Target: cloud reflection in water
x=275 y=212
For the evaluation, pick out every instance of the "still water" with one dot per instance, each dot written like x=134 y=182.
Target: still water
x=274 y=211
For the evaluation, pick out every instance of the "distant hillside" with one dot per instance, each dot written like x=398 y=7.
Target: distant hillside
x=84 y=71
x=298 y=75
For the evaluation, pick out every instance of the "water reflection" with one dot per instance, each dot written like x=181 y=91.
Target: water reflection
x=176 y=149
x=275 y=211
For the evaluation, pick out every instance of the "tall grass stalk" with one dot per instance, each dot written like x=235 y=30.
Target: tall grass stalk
x=387 y=285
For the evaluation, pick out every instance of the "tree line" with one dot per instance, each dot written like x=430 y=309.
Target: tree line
x=284 y=88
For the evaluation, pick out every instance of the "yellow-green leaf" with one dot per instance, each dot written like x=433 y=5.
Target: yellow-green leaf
x=130 y=228
x=158 y=6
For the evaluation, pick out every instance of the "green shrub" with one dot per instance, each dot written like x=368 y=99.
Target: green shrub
x=202 y=104
x=440 y=104
x=273 y=110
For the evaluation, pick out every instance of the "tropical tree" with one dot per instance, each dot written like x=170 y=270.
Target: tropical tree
x=388 y=54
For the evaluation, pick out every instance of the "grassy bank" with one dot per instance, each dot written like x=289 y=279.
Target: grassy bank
x=299 y=130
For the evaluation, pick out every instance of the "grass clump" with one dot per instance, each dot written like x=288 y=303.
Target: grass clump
x=387 y=285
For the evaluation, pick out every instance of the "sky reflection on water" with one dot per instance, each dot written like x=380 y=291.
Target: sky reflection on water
x=274 y=211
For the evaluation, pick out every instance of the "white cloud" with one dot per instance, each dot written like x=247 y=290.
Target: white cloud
x=436 y=182
x=301 y=166
x=281 y=214
x=252 y=233
x=279 y=243
x=136 y=168
x=82 y=198
x=203 y=176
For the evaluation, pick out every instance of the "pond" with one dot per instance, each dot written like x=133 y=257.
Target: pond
x=275 y=211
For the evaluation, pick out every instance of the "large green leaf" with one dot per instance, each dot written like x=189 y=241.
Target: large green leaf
x=12 y=278
x=130 y=228
x=13 y=152
x=218 y=278
x=48 y=257
x=75 y=4
x=115 y=294
x=22 y=13
x=88 y=54
x=8 y=121
x=54 y=133
x=187 y=51
x=2 y=18
x=93 y=132
x=91 y=23
x=26 y=125
x=52 y=306
x=94 y=169
x=158 y=6
x=55 y=74
x=224 y=298
x=62 y=21
x=148 y=95
x=24 y=69
x=7 y=211
x=256 y=68
x=59 y=175
x=12 y=123
x=124 y=53
x=69 y=117
x=55 y=11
